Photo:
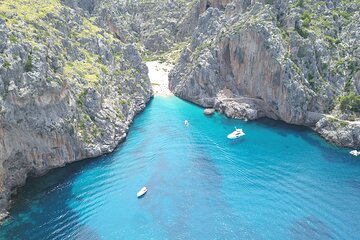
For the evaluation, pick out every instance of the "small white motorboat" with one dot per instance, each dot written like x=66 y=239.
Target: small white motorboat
x=236 y=134
x=186 y=122
x=141 y=192
x=355 y=153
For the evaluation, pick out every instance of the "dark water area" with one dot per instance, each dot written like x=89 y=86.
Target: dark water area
x=277 y=182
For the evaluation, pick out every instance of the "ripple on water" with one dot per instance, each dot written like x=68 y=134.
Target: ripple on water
x=311 y=228
x=276 y=182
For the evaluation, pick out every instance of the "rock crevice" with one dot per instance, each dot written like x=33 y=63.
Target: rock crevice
x=273 y=59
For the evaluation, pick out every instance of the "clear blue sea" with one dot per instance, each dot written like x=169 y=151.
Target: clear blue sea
x=277 y=182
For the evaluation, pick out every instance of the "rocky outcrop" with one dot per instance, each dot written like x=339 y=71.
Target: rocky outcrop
x=68 y=89
x=154 y=25
x=340 y=132
x=209 y=111
x=71 y=77
x=276 y=59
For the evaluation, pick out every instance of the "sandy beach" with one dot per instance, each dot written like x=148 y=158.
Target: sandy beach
x=158 y=74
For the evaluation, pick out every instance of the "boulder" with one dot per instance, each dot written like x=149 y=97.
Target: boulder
x=209 y=111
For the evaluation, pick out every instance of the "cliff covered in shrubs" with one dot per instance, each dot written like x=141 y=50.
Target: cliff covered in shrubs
x=296 y=61
x=68 y=89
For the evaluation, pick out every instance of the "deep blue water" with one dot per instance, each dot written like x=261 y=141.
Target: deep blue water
x=277 y=182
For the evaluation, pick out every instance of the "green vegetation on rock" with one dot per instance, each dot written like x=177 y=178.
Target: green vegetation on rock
x=29 y=64
x=350 y=102
x=71 y=58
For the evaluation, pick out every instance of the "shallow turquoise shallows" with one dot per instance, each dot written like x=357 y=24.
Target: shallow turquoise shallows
x=277 y=182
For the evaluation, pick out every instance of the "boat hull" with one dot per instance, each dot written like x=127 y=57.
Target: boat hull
x=355 y=153
x=142 y=192
x=234 y=137
x=236 y=134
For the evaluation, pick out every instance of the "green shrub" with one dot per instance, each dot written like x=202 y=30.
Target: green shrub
x=29 y=65
x=311 y=80
x=36 y=49
x=81 y=98
x=347 y=87
x=306 y=18
x=350 y=102
x=325 y=66
x=345 y=15
x=299 y=3
x=353 y=67
x=123 y=102
x=332 y=40
x=343 y=124
x=302 y=32
x=13 y=39
x=6 y=64
x=301 y=52
x=117 y=73
x=104 y=70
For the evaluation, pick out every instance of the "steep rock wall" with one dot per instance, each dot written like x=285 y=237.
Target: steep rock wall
x=68 y=90
x=251 y=59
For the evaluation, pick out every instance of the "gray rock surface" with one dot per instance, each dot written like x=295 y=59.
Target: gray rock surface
x=287 y=60
x=154 y=25
x=72 y=78
x=342 y=133
x=209 y=111
x=68 y=91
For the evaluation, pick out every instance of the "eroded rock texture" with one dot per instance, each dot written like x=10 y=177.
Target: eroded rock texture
x=287 y=60
x=68 y=89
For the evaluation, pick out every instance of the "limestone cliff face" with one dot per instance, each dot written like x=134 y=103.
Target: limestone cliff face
x=158 y=28
x=275 y=58
x=71 y=77
x=68 y=89
x=154 y=25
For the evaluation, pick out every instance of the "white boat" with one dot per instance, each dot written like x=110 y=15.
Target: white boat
x=355 y=153
x=186 y=122
x=142 y=192
x=236 y=134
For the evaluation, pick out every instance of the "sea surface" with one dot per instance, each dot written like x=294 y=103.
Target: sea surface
x=276 y=182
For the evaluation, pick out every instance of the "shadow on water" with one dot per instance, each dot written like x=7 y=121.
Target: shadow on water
x=310 y=228
x=236 y=141
x=280 y=127
x=209 y=181
x=34 y=206
x=329 y=151
x=42 y=206
x=199 y=208
x=355 y=185
x=206 y=171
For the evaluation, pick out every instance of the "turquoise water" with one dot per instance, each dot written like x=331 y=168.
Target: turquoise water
x=277 y=182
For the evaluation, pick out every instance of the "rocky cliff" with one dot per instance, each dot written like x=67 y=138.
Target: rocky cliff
x=72 y=77
x=68 y=88
x=296 y=61
x=158 y=27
